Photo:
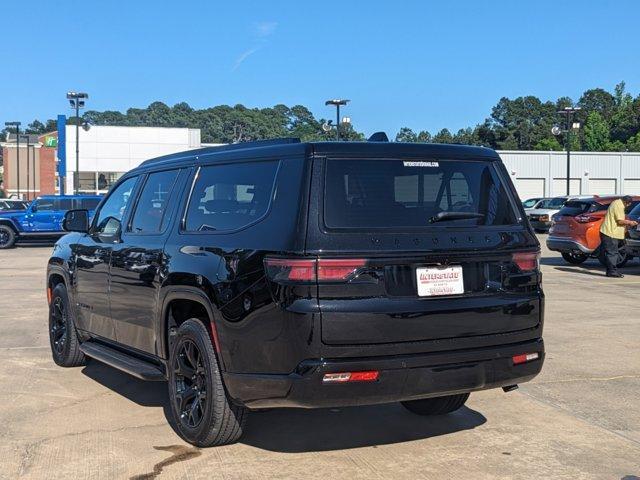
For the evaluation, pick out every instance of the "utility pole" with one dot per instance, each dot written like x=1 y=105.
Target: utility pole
x=337 y=103
x=17 y=126
x=77 y=100
x=568 y=112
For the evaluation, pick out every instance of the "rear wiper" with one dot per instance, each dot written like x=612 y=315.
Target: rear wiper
x=446 y=216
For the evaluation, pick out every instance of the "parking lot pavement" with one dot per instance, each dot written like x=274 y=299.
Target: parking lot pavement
x=579 y=419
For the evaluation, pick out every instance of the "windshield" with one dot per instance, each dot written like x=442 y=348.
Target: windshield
x=552 y=203
x=387 y=194
x=530 y=203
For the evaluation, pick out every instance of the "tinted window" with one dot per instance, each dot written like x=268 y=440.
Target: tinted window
x=228 y=197
x=88 y=203
x=153 y=202
x=110 y=216
x=552 y=203
x=396 y=193
x=578 y=207
x=530 y=203
x=63 y=204
x=45 y=205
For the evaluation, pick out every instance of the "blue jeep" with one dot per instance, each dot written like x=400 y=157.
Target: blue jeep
x=42 y=221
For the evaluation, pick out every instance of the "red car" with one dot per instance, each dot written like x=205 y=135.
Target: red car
x=575 y=231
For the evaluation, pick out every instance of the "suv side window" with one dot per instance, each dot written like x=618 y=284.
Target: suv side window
x=88 y=203
x=149 y=216
x=230 y=197
x=45 y=205
x=110 y=216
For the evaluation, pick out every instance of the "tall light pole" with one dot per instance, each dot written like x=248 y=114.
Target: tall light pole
x=76 y=100
x=569 y=127
x=28 y=167
x=337 y=103
x=17 y=126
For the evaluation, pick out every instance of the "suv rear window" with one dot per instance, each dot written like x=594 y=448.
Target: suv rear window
x=230 y=197
x=407 y=194
x=573 y=208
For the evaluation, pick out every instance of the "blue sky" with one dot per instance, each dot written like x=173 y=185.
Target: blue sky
x=422 y=64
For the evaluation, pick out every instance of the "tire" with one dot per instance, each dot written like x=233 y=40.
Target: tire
x=201 y=409
x=623 y=257
x=575 y=258
x=437 y=405
x=7 y=237
x=63 y=339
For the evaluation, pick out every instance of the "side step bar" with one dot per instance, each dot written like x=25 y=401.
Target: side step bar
x=126 y=363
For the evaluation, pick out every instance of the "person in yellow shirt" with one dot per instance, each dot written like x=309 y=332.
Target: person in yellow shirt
x=612 y=233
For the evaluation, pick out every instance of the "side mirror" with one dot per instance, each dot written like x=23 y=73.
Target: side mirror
x=34 y=207
x=76 y=221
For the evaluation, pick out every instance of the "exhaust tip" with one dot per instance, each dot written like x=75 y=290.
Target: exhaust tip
x=509 y=388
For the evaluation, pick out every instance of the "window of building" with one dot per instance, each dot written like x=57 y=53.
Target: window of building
x=97 y=182
x=229 y=197
x=149 y=216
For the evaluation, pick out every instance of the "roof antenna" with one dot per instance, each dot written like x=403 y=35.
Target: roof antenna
x=378 y=137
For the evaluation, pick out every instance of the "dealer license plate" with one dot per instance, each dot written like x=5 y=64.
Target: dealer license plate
x=434 y=282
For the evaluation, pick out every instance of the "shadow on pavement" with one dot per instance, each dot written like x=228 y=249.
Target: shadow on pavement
x=146 y=394
x=305 y=430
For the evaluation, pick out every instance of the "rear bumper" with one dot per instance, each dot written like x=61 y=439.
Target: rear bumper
x=538 y=225
x=401 y=377
x=560 y=244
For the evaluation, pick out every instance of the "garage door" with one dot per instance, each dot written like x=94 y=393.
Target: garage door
x=529 y=187
x=632 y=186
x=560 y=187
x=602 y=186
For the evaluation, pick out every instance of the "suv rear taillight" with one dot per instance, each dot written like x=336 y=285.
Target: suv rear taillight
x=586 y=218
x=312 y=269
x=526 y=261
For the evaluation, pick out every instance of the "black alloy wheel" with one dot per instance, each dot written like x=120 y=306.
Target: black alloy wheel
x=202 y=412
x=190 y=384
x=575 y=258
x=7 y=237
x=65 y=345
x=58 y=326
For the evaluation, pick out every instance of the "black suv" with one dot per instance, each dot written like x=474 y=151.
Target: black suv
x=288 y=274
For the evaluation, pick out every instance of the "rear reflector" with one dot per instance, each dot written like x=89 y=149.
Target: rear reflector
x=526 y=261
x=368 y=376
x=310 y=270
x=524 y=358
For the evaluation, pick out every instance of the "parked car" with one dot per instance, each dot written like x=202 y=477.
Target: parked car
x=530 y=202
x=575 y=232
x=288 y=274
x=42 y=220
x=540 y=213
x=11 y=204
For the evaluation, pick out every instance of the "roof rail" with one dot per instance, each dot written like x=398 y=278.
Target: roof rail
x=224 y=148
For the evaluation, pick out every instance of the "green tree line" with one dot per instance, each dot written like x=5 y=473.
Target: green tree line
x=609 y=121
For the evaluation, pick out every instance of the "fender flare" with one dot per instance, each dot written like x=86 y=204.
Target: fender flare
x=180 y=292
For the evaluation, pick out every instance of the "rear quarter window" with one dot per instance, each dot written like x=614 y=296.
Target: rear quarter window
x=230 y=197
x=387 y=194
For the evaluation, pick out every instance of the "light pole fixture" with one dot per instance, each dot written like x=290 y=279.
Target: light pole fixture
x=338 y=103
x=26 y=137
x=17 y=127
x=77 y=101
x=570 y=125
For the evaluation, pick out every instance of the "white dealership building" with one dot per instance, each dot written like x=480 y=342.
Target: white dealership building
x=107 y=152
